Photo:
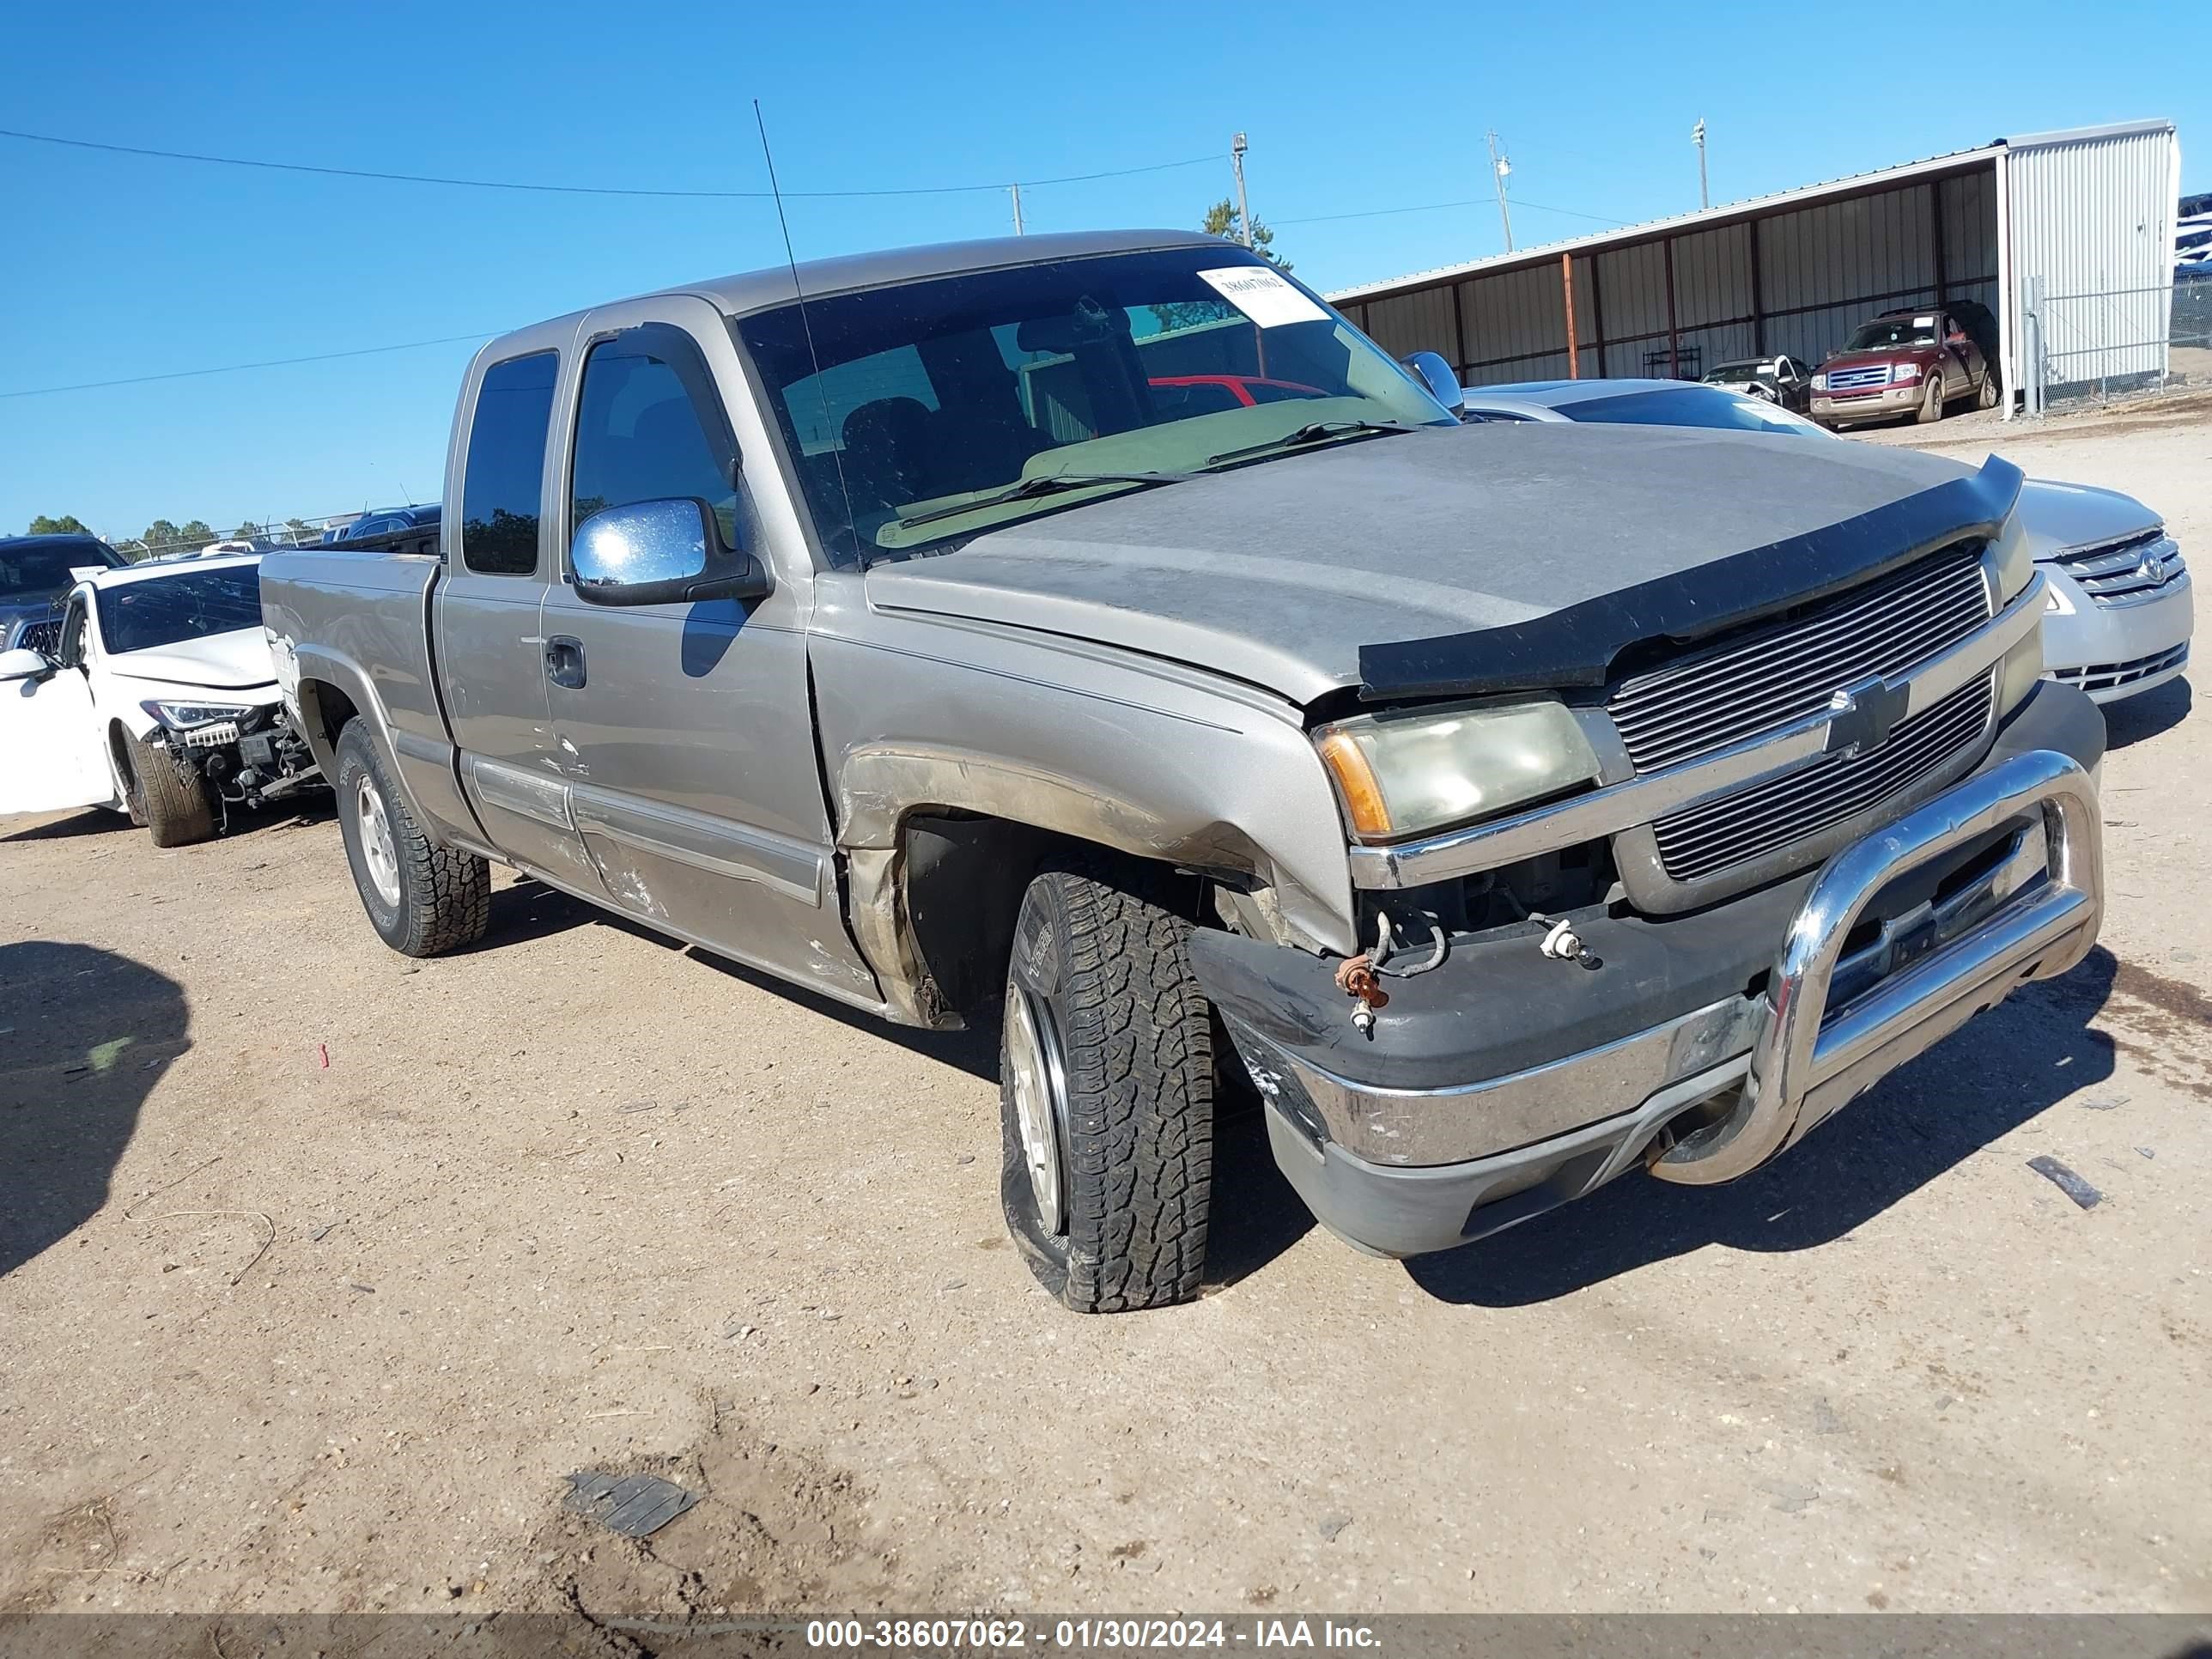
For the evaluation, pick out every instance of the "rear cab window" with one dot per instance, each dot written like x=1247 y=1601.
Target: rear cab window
x=506 y=471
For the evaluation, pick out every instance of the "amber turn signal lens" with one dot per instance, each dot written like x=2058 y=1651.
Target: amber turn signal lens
x=1355 y=783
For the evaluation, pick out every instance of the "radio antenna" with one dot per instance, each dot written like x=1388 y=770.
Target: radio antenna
x=837 y=440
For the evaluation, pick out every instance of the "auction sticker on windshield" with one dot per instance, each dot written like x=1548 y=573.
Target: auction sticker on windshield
x=1262 y=295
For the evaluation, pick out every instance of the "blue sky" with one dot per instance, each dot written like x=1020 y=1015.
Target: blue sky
x=119 y=266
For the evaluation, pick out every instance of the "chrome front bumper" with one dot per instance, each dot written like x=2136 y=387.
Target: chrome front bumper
x=1811 y=1058
x=1405 y=1171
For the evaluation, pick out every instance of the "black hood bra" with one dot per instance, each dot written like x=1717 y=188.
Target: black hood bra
x=1577 y=645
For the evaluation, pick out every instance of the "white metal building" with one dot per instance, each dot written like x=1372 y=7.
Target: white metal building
x=2084 y=218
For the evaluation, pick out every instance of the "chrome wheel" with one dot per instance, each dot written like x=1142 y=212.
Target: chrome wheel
x=1040 y=1090
x=379 y=851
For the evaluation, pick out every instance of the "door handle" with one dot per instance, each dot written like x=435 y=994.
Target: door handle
x=564 y=661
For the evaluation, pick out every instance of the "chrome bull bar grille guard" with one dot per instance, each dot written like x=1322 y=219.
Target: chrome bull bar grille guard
x=1808 y=1058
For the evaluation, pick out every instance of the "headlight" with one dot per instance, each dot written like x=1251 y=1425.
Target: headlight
x=1904 y=371
x=1404 y=773
x=178 y=716
x=2015 y=564
x=1820 y=383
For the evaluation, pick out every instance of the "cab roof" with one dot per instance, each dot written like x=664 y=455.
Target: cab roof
x=756 y=291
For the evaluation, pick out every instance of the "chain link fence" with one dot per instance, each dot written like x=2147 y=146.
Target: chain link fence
x=2115 y=343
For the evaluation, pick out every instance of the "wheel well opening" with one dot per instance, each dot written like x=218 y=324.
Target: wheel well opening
x=965 y=875
x=326 y=709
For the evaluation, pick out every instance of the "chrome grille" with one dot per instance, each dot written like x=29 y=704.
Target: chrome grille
x=1865 y=378
x=1703 y=840
x=2124 y=572
x=1782 y=673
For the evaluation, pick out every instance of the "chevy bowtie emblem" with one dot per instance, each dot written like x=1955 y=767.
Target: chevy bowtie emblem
x=1860 y=716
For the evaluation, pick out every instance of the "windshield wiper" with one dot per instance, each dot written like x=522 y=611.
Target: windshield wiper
x=1312 y=433
x=1045 y=484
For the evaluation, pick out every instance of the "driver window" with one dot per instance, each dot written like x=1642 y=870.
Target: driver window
x=650 y=427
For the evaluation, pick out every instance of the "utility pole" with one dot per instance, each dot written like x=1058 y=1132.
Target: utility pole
x=1697 y=137
x=1015 y=190
x=1238 y=146
x=1499 y=167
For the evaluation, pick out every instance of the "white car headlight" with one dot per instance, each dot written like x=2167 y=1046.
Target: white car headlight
x=1904 y=371
x=1403 y=774
x=1820 y=383
x=180 y=716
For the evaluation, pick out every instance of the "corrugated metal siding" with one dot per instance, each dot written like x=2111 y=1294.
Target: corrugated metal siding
x=2092 y=216
x=1815 y=272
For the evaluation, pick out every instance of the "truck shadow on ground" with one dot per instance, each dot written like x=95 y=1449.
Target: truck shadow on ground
x=93 y=1033
x=2148 y=715
x=1950 y=1104
x=1257 y=1215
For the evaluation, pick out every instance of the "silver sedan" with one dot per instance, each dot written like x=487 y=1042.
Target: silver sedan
x=2120 y=612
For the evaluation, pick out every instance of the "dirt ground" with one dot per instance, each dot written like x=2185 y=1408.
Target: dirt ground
x=323 y=1269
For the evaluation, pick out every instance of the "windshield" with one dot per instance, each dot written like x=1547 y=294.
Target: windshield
x=934 y=398
x=189 y=605
x=41 y=570
x=1736 y=373
x=1884 y=333
x=1692 y=405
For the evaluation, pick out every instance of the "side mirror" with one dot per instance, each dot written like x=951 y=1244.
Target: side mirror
x=668 y=552
x=23 y=664
x=1433 y=372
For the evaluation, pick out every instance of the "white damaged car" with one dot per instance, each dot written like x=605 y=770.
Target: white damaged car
x=156 y=697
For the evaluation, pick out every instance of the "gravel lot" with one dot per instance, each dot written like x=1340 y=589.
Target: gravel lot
x=323 y=1268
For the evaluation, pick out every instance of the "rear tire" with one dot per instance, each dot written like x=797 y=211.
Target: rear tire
x=1931 y=401
x=1106 y=1085
x=422 y=899
x=166 y=793
x=1987 y=397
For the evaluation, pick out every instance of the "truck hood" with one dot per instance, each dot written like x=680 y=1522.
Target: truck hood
x=1278 y=573
x=2059 y=516
x=230 y=662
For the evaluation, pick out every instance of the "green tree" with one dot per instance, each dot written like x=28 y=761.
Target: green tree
x=161 y=537
x=246 y=531
x=198 y=534
x=1221 y=220
x=68 y=525
x=298 y=530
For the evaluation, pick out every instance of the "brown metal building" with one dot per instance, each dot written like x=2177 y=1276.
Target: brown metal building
x=2022 y=225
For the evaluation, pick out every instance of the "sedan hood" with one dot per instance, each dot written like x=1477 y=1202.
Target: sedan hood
x=230 y=662
x=2059 y=516
x=1278 y=573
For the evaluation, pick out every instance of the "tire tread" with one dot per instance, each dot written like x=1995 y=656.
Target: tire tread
x=1140 y=1085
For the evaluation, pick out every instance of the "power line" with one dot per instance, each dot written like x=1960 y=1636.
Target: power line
x=580 y=189
x=1439 y=207
x=234 y=368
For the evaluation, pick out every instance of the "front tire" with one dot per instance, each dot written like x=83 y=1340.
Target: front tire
x=1931 y=401
x=166 y=792
x=422 y=899
x=1106 y=1092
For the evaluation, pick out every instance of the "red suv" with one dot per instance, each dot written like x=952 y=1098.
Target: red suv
x=1912 y=362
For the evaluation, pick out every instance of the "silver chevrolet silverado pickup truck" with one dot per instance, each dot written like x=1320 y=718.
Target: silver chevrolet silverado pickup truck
x=1100 y=629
